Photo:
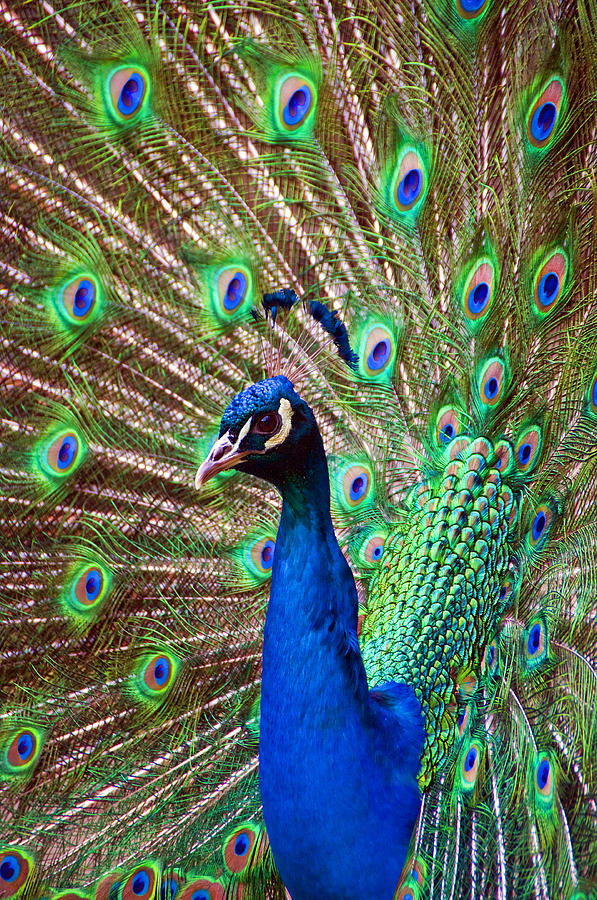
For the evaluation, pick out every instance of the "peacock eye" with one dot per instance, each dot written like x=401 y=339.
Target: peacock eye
x=267 y=423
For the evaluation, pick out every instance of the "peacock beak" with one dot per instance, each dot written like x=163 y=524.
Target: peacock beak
x=223 y=455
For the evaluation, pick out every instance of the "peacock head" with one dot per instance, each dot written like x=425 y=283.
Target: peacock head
x=266 y=431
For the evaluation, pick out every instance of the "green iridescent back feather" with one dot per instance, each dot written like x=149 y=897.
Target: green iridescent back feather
x=427 y=171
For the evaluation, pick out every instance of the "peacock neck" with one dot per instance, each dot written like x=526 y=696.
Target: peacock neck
x=327 y=756
x=305 y=485
x=312 y=585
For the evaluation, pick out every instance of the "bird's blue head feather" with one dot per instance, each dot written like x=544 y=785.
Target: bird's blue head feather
x=267 y=431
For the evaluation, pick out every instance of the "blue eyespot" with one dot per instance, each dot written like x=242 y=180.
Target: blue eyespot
x=543 y=121
x=161 y=671
x=491 y=388
x=543 y=770
x=359 y=486
x=201 y=895
x=471 y=759
x=534 y=641
x=461 y=717
x=410 y=187
x=377 y=552
x=446 y=434
x=131 y=95
x=67 y=452
x=379 y=355
x=140 y=883
x=548 y=289
x=538 y=526
x=236 y=291
x=242 y=844
x=84 y=298
x=472 y=5
x=298 y=106
x=524 y=453
x=10 y=869
x=25 y=745
x=267 y=554
x=479 y=298
x=93 y=584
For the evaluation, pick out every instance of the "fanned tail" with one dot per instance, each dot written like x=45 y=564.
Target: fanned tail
x=427 y=173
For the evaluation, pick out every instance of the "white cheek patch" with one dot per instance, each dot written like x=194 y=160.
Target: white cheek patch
x=285 y=413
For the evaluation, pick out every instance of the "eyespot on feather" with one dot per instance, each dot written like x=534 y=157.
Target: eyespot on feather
x=366 y=546
x=262 y=555
x=127 y=90
x=108 y=887
x=60 y=456
x=507 y=590
x=156 y=675
x=377 y=352
x=491 y=382
x=544 y=113
x=479 y=290
x=467 y=683
x=293 y=105
x=408 y=890
x=356 y=486
x=528 y=449
x=255 y=557
x=412 y=880
x=470 y=10
x=16 y=870
x=203 y=888
x=77 y=301
x=141 y=883
x=240 y=847
x=535 y=643
x=470 y=760
x=540 y=525
x=373 y=549
x=88 y=589
x=549 y=282
x=447 y=425
x=409 y=183
x=21 y=751
x=296 y=101
x=544 y=780
x=231 y=292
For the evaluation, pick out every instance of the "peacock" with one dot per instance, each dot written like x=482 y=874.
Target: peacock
x=299 y=433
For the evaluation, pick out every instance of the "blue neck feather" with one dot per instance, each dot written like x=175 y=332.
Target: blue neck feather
x=338 y=765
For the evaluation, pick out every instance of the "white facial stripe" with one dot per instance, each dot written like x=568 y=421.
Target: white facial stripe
x=285 y=413
x=244 y=430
